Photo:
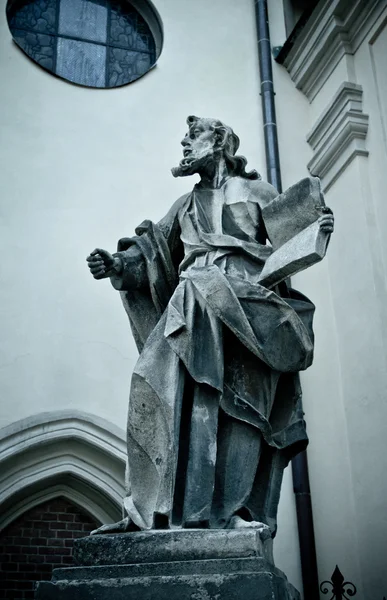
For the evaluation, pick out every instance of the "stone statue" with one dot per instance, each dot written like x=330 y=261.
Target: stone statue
x=214 y=411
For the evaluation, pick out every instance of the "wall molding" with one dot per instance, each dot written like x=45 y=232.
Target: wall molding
x=65 y=453
x=339 y=134
x=71 y=489
x=335 y=28
x=62 y=424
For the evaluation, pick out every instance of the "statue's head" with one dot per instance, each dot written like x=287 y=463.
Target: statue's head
x=208 y=141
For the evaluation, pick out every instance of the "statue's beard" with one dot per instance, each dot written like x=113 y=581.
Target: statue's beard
x=193 y=163
x=187 y=166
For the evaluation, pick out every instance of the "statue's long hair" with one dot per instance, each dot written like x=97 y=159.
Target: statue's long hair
x=230 y=143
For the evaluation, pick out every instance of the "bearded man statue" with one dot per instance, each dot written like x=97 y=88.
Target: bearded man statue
x=214 y=412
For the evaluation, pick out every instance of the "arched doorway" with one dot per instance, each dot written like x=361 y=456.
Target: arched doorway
x=37 y=542
x=61 y=475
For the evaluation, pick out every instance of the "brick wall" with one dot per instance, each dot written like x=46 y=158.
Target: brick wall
x=37 y=542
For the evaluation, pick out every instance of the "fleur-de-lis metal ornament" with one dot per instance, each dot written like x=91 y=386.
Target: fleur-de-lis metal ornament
x=340 y=589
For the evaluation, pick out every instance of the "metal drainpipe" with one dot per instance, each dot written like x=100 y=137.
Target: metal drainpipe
x=305 y=526
x=299 y=463
x=267 y=95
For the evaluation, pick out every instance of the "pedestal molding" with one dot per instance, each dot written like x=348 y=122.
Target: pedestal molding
x=186 y=564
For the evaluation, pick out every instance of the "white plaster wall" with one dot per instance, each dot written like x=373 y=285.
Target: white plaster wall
x=363 y=337
x=81 y=168
x=344 y=396
x=286 y=546
x=345 y=389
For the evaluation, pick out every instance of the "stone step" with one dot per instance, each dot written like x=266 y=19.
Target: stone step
x=187 y=567
x=233 y=586
x=169 y=545
x=189 y=564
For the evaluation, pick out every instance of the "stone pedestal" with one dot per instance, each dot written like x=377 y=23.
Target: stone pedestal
x=171 y=565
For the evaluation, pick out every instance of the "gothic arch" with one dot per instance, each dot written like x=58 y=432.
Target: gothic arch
x=64 y=453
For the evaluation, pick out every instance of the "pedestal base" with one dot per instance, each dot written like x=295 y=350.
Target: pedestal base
x=171 y=565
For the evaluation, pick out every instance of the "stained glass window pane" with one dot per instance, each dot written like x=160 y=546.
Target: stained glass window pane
x=85 y=19
x=81 y=62
x=126 y=66
x=38 y=46
x=143 y=42
x=123 y=25
x=35 y=15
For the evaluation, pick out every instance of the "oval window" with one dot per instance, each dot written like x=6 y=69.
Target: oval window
x=96 y=43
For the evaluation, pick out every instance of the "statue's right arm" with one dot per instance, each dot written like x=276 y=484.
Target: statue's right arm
x=130 y=271
x=127 y=267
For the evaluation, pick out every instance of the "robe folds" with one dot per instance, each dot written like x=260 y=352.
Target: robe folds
x=214 y=410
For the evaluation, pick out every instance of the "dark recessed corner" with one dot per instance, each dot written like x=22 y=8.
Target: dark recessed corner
x=281 y=52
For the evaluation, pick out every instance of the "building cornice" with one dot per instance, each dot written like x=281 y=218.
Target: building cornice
x=335 y=28
x=339 y=134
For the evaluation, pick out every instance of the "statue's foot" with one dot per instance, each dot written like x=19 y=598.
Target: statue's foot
x=236 y=522
x=121 y=527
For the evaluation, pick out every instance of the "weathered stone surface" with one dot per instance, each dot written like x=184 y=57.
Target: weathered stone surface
x=293 y=225
x=293 y=211
x=168 y=546
x=238 y=571
x=249 y=586
x=222 y=566
x=307 y=248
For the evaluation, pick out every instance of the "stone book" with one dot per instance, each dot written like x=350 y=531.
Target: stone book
x=292 y=224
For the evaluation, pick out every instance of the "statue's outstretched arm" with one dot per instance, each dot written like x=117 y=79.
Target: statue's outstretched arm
x=102 y=264
x=126 y=269
x=130 y=272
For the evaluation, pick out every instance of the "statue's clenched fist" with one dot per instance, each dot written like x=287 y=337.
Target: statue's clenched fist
x=102 y=264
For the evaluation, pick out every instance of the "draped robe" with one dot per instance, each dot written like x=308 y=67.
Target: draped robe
x=214 y=410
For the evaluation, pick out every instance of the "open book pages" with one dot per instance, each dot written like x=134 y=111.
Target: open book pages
x=291 y=221
x=293 y=210
x=303 y=250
